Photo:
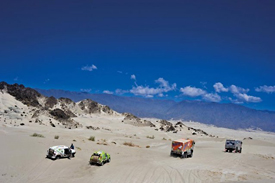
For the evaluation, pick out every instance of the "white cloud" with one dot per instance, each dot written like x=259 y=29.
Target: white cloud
x=121 y=92
x=161 y=95
x=165 y=85
x=220 y=88
x=162 y=82
x=241 y=95
x=108 y=92
x=235 y=89
x=212 y=97
x=196 y=92
x=120 y=72
x=192 y=91
x=266 y=89
x=147 y=91
x=133 y=77
x=247 y=98
x=89 y=68
x=86 y=90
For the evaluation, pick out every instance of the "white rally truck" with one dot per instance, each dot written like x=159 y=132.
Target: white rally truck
x=233 y=145
x=60 y=151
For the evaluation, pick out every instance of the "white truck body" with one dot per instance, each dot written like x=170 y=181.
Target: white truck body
x=233 y=145
x=60 y=151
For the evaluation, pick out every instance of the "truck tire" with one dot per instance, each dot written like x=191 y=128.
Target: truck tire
x=171 y=153
x=184 y=155
x=191 y=155
x=240 y=150
x=236 y=150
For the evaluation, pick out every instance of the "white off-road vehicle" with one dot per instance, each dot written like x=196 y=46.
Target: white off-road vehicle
x=233 y=145
x=60 y=151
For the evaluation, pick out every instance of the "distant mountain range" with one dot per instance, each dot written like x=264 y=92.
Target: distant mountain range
x=223 y=115
x=142 y=107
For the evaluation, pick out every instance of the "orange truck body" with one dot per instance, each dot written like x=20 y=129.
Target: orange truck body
x=183 y=147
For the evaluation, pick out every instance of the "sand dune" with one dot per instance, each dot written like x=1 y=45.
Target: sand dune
x=23 y=157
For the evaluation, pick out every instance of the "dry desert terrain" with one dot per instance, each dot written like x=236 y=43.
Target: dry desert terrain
x=23 y=156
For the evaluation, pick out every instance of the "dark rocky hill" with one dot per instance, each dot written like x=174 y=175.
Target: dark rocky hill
x=27 y=96
x=62 y=109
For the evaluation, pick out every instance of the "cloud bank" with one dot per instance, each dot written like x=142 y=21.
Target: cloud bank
x=192 y=91
x=238 y=92
x=147 y=91
x=265 y=89
x=198 y=92
x=212 y=97
x=240 y=95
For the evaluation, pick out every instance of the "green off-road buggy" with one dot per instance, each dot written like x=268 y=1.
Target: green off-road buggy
x=100 y=157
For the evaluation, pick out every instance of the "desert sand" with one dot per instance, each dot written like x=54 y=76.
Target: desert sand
x=23 y=156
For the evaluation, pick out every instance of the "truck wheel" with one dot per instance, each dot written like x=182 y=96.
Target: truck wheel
x=171 y=153
x=236 y=150
x=57 y=157
x=101 y=164
x=191 y=155
x=240 y=150
x=226 y=150
x=184 y=155
x=73 y=155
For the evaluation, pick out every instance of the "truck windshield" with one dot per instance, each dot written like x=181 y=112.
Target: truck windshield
x=51 y=151
x=176 y=143
x=230 y=142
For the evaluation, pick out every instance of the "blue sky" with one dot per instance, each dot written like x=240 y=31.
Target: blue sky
x=220 y=51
